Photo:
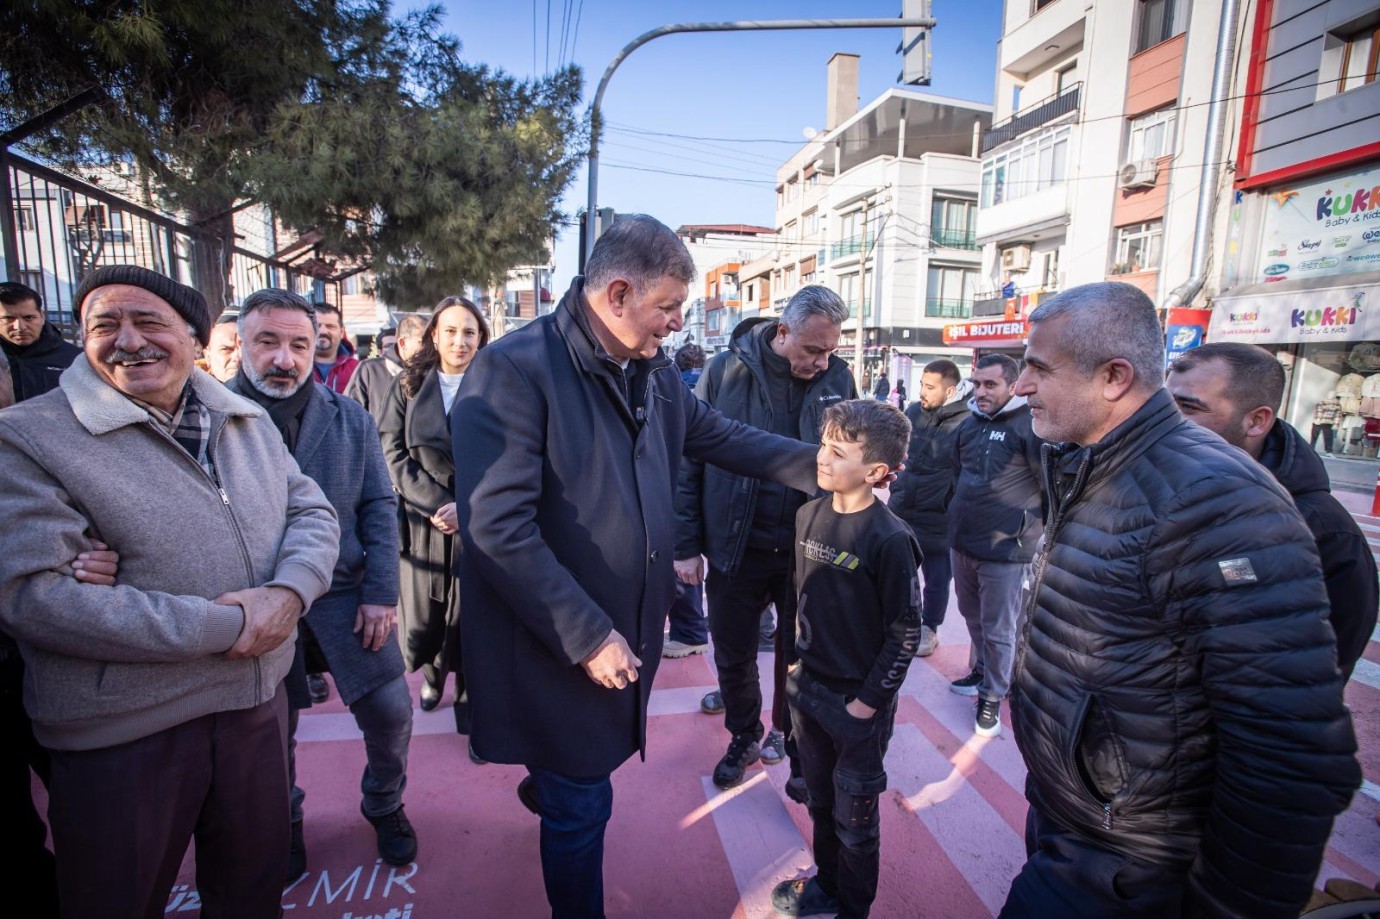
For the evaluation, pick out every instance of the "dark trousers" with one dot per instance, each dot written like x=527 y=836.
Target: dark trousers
x=735 y=608
x=574 y=813
x=27 y=872
x=938 y=571
x=1326 y=431
x=122 y=817
x=1065 y=875
x=687 y=615
x=841 y=758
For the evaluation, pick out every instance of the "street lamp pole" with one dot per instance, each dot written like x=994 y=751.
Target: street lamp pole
x=592 y=203
x=862 y=300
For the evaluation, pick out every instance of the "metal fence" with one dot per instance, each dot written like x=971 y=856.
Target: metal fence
x=65 y=227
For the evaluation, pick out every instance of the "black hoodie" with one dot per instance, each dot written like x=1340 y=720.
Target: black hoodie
x=1348 y=564
x=37 y=367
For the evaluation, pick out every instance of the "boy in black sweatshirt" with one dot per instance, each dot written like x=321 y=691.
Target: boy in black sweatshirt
x=857 y=628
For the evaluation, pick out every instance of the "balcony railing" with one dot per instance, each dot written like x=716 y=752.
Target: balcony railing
x=850 y=246
x=1030 y=118
x=990 y=306
x=948 y=309
x=956 y=239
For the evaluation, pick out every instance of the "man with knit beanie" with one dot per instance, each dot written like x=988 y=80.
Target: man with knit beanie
x=158 y=697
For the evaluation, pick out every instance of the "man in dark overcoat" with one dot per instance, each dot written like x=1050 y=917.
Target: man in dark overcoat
x=568 y=438
x=349 y=631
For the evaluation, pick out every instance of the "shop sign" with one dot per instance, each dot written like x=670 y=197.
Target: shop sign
x=1328 y=227
x=1330 y=314
x=1184 y=331
x=985 y=333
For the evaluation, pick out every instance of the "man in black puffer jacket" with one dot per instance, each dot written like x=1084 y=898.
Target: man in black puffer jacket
x=779 y=376
x=1177 y=701
x=923 y=491
x=1235 y=391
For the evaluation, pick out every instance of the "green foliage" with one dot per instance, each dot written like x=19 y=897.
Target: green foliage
x=370 y=130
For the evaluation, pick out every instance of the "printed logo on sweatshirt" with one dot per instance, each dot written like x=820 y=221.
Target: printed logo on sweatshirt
x=817 y=551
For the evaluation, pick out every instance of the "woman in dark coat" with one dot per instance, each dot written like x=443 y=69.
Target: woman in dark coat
x=415 y=430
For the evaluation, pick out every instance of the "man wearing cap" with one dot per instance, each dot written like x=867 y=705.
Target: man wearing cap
x=158 y=697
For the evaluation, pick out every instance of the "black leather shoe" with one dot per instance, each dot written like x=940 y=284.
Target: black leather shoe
x=397 y=841
x=475 y=757
x=297 y=853
x=431 y=697
x=527 y=794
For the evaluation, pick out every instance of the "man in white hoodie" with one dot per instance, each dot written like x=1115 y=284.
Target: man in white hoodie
x=994 y=528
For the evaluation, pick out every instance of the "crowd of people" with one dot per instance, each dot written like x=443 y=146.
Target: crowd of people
x=1153 y=574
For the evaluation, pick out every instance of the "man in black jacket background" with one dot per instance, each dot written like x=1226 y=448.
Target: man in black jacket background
x=35 y=348
x=994 y=527
x=923 y=491
x=1177 y=699
x=780 y=376
x=1235 y=391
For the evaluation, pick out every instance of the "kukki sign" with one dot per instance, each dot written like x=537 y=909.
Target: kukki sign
x=1327 y=227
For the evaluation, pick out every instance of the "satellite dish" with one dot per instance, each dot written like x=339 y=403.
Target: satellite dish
x=810 y=133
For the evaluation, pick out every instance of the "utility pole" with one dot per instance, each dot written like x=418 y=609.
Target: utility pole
x=596 y=107
x=862 y=286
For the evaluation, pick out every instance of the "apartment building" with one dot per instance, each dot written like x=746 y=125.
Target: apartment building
x=718 y=251
x=881 y=206
x=1092 y=169
x=1299 y=230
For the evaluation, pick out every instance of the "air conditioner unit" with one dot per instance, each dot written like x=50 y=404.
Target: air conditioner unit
x=1140 y=174
x=1016 y=258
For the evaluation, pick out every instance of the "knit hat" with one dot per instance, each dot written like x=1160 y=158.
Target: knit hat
x=187 y=301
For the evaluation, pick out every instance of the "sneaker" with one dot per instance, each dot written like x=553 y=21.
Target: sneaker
x=988 y=720
x=297 y=853
x=743 y=751
x=527 y=794
x=774 y=747
x=968 y=686
x=929 y=640
x=796 y=790
x=397 y=841
x=318 y=688
x=803 y=897
x=678 y=649
x=712 y=703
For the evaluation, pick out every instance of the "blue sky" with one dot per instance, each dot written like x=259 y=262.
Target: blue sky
x=742 y=100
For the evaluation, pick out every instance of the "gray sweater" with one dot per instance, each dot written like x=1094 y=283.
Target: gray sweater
x=107 y=665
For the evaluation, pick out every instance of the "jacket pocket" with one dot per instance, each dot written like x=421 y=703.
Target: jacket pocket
x=1096 y=755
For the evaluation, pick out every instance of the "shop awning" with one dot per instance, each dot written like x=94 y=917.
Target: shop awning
x=1337 y=308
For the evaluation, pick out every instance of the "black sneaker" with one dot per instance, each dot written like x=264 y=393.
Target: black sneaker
x=297 y=853
x=397 y=841
x=803 y=897
x=988 y=720
x=968 y=686
x=712 y=703
x=318 y=688
x=743 y=751
x=796 y=790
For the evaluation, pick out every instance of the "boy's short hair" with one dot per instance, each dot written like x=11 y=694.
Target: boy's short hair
x=882 y=428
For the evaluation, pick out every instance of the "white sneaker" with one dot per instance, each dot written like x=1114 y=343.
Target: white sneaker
x=929 y=640
x=677 y=649
x=773 y=747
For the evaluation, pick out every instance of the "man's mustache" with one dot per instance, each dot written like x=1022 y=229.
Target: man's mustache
x=280 y=373
x=146 y=353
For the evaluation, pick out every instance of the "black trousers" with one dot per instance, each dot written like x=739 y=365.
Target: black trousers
x=28 y=873
x=1066 y=875
x=841 y=757
x=735 y=607
x=1327 y=433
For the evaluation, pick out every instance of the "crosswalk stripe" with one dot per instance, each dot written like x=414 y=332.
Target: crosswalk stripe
x=759 y=838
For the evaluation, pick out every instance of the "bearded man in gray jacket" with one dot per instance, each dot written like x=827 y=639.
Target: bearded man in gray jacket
x=158 y=697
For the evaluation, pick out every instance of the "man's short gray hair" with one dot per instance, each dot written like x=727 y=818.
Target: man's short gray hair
x=411 y=325
x=1110 y=319
x=814 y=300
x=273 y=298
x=641 y=250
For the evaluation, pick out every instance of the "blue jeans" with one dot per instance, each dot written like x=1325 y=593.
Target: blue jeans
x=937 y=570
x=1065 y=875
x=842 y=761
x=687 y=615
x=384 y=716
x=574 y=813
